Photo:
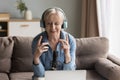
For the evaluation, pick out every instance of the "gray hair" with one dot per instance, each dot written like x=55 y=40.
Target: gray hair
x=53 y=10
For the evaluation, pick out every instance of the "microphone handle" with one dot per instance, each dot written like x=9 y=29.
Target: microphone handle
x=54 y=62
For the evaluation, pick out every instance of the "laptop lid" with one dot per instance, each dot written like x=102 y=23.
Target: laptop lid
x=65 y=75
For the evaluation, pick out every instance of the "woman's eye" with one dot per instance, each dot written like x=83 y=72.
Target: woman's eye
x=48 y=23
x=56 y=23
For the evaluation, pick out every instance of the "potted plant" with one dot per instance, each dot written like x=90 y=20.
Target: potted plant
x=21 y=6
x=23 y=9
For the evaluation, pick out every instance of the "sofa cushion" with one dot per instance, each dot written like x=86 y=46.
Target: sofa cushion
x=6 y=49
x=22 y=54
x=3 y=76
x=93 y=75
x=89 y=50
x=107 y=69
x=114 y=58
x=21 y=76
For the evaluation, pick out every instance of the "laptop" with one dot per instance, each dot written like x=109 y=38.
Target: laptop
x=65 y=75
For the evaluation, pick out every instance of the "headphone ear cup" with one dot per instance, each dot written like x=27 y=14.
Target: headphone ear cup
x=42 y=24
x=65 y=25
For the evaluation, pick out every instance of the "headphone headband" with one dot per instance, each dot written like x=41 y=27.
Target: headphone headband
x=49 y=10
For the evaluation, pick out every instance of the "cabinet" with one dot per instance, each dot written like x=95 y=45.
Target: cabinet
x=17 y=27
x=3 y=28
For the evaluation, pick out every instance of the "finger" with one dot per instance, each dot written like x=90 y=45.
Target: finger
x=39 y=41
x=45 y=48
x=67 y=38
x=45 y=44
x=62 y=41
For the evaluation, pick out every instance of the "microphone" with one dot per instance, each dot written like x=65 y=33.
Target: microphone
x=54 y=62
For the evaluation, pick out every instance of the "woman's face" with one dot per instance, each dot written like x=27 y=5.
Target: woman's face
x=53 y=24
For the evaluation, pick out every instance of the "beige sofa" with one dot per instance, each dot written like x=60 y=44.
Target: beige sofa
x=91 y=55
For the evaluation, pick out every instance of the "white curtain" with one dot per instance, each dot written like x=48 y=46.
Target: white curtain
x=103 y=11
x=109 y=24
x=115 y=28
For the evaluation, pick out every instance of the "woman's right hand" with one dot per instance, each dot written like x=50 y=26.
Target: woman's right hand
x=40 y=48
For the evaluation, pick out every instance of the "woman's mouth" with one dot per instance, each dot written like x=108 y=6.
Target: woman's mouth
x=53 y=31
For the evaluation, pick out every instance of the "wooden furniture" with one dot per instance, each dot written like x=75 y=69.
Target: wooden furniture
x=3 y=28
x=4 y=18
x=20 y=27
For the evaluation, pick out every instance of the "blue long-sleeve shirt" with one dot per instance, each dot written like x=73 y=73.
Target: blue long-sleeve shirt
x=47 y=57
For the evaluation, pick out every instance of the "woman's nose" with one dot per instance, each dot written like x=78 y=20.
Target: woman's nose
x=53 y=26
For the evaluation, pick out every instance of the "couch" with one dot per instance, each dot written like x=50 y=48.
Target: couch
x=91 y=55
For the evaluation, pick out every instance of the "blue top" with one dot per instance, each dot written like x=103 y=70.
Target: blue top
x=47 y=57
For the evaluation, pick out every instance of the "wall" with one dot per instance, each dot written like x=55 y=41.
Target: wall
x=71 y=8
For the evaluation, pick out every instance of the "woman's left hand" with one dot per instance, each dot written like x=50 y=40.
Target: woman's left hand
x=65 y=44
x=66 y=47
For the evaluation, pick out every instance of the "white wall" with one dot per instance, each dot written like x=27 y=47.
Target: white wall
x=71 y=8
x=115 y=27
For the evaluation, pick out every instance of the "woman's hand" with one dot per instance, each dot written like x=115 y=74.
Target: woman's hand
x=40 y=48
x=66 y=47
x=65 y=44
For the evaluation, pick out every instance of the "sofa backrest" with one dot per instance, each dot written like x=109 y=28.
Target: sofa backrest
x=22 y=54
x=6 y=48
x=16 y=54
x=89 y=50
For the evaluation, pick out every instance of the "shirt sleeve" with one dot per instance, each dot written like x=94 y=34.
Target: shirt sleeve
x=39 y=70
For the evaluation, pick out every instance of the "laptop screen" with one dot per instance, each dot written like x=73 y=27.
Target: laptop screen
x=65 y=75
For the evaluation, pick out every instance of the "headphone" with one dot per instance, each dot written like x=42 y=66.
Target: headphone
x=46 y=12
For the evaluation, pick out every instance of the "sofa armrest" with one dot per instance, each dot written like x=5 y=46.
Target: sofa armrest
x=108 y=69
x=114 y=59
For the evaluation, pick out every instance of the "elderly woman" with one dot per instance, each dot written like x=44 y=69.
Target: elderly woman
x=53 y=49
